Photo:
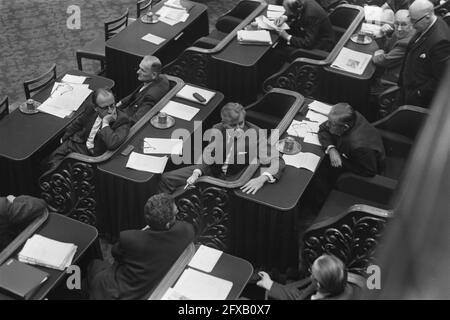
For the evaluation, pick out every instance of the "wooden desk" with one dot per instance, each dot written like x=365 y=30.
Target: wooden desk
x=265 y=232
x=343 y=86
x=26 y=139
x=123 y=191
x=60 y=228
x=228 y=267
x=125 y=50
x=239 y=70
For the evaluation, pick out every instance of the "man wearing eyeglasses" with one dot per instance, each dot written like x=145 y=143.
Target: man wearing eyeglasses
x=101 y=127
x=426 y=57
x=154 y=86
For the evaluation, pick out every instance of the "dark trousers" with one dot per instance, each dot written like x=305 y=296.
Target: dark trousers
x=64 y=149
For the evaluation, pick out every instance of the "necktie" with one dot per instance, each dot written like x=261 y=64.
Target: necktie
x=90 y=140
x=229 y=154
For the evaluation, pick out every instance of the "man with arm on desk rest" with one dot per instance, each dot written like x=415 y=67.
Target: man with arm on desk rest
x=100 y=128
x=16 y=213
x=351 y=142
x=328 y=282
x=389 y=59
x=142 y=257
x=310 y=27
x=154 y=86
x=232 y=153
x=427 y=55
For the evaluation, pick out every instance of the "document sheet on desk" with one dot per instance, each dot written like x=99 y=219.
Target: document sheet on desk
x=153 y=39
x=180 y=110
x=302 y=128
x=146 y=163
x=320 y=107
x=197 y=285
x=316 y=117
x=187 y=92
x=304 y=160
x=205 y=258
x=352 y=61
x=163 y=146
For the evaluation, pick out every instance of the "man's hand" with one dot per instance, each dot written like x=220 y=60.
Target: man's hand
x=266 y=282
x=119 y=104
x=107 y=119
x=335 y=158
x=283 y=34
x=378 y=52
x=191 y=180
x=10 y=198
x=386 y=28
x=254 y=184
x=280 y=20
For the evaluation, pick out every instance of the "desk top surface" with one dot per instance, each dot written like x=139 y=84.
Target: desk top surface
x=117 y=164
x=22 y=135
x=228 y=267
x=285 y=194
x=129 y=39
x=364 y=48
x=64 y=229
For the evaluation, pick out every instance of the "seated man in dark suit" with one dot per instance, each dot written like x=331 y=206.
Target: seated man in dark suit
x=16 y=213
x=427 y=55
x=100 y=128
x=154 y=86
x=231 y=153
x=142 y=257
x=310 y=27
x=351 y=142
x=328 y=282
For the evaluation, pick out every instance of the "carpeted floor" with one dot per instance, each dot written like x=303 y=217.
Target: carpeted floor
x=34 y=35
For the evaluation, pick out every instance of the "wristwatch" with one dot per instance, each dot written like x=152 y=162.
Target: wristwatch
x=289 y=40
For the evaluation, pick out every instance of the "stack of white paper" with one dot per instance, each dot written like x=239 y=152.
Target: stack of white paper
x=46 y=252
x=265 y=23
x=316 y=117
x=65 y=98
x=312 y=138
x=254 y=37
x=73 y=79
x=205 y=258
x=172 y=16
x=153 y=39
x=146 y=163
x=320 y=107
x=274 y=11
x=187 y=92
x=302 y=128
x=180 y=110
x=372 y=29
x=304 y=160
x=163 y=146
x=377 y=15
x=197 y=285
x=352 y=61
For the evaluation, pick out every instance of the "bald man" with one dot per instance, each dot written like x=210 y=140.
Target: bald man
x=427 y=55
x=154 y=86
x=389 y=59
x=351 y=142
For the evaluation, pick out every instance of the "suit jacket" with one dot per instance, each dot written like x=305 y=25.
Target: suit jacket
x=137 y=104
x=424 y=64
x=362 y=146
x=244 y=153
x=392 y=58
x=286 y=292
x=107 y=138
x=16 y=216
x=399 y=4
x=312 y=29
x=142 y=258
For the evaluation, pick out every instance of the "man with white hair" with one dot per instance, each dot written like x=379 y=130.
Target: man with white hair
x=426 y=57
x=154 y=86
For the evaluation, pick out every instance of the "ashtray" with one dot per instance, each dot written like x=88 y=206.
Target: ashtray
x=24 y=108
x=150 y=19
x=356 y=38
x=288 y=146
x=155 y=121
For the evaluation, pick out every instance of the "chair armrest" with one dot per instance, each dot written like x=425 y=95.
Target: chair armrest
x=227 y=24
x=311 y=54
x=378 y=189
x=388 y=100
x=206 y=43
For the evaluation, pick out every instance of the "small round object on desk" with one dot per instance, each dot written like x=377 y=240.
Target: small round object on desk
x=357 y=38
x=156 y=122
x=24 y=107
x=150 y=18
x=288 y=146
